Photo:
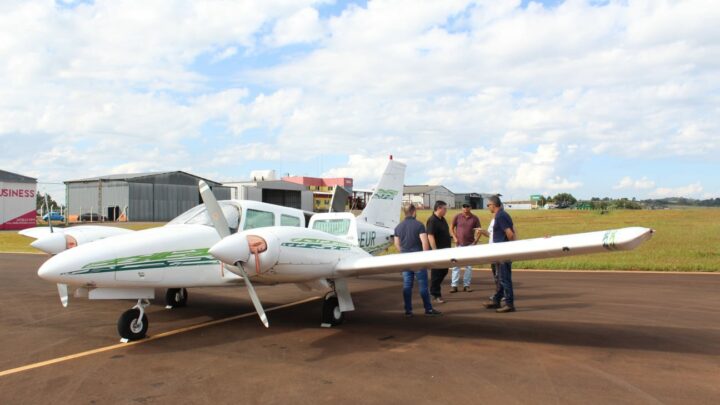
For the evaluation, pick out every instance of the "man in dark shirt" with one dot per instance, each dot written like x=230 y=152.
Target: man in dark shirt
x=439 y=238
x=463 y=231
x=503 y=231
x=410 y=236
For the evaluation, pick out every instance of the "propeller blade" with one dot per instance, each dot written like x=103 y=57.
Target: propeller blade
x=254 y=297
x=47 y=208
x=63 y=292
x=214 y=210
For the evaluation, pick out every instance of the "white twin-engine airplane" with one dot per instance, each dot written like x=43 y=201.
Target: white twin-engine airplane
x=247 y=242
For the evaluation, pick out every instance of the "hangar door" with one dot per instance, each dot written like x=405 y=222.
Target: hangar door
x=286 y=198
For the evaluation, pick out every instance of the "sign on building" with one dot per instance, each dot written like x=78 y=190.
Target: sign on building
x=17 y=201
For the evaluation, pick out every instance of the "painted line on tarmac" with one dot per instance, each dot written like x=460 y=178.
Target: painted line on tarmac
x=146 y=340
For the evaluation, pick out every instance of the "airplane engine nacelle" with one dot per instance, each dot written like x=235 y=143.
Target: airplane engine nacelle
x=264 y=253
x=306 y=254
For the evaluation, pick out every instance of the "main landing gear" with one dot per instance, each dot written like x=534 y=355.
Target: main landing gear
x=176 y=298
x=133 y=323
x=331 y=313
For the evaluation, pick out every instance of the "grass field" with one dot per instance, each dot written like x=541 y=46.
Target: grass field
x=686 y=240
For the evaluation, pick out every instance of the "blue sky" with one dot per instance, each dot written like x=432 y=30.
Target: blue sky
x=595 y=98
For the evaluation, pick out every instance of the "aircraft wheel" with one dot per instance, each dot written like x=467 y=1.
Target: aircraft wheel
x=176 y=297
x=130 y=327
x=331 y=311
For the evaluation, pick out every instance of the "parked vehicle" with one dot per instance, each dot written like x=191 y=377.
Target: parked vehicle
x=92 y=217
x=54 y=216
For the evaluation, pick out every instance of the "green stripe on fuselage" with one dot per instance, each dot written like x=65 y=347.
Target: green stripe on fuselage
x=178 y=258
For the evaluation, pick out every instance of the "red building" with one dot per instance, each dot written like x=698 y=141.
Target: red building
x=322 y=188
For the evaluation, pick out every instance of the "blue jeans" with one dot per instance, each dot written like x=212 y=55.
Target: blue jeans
x=503 y=285
x=467 y=276
x=408 y=279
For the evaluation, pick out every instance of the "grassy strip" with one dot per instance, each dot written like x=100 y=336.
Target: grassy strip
x=11 y=241
x=686 y=240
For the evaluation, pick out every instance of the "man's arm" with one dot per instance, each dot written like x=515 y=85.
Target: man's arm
x=476 y=235
x=424 y=239
x=510 y=234
x=397 y=244
x=453 y=229
x=431 y=240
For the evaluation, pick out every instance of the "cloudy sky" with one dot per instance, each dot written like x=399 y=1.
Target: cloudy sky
x=596 y=98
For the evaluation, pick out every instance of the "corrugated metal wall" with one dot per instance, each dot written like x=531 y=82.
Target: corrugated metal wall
x=159 y=197
x=84 y=197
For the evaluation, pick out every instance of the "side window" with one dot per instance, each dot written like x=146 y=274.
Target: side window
x=258 y=219
x=289 y=220
x=333 y=226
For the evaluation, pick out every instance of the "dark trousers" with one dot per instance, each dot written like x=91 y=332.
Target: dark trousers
x=436 y=278
x=502 y=273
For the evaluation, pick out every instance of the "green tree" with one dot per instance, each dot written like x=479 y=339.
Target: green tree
x=564 y=199
x=40 y=202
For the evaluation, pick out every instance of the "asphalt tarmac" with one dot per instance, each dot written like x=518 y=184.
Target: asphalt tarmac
x=577 y=337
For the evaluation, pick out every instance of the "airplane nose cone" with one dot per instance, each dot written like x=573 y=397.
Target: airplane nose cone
x=231 y=249
x=50 y=270
x=53 y=243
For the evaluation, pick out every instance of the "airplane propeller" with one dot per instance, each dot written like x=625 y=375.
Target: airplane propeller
x=223 y=229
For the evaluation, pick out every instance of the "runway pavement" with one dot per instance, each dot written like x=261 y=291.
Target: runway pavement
x=576 y=338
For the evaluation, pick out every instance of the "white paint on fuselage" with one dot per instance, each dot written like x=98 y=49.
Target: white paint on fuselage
x=175 y=255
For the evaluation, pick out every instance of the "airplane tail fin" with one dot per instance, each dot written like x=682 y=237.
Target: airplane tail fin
x=383 y=208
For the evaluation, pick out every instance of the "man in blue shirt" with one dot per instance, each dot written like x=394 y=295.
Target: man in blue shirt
x=503 y=231
x=410 y=236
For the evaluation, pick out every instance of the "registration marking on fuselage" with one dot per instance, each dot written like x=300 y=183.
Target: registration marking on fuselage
x=146 y=340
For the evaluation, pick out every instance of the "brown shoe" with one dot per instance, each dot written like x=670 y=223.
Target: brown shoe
x=505 y=308
x=490 y=304
x=453 y=290
x=467 y=289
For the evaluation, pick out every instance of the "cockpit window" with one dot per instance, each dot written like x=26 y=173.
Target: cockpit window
x=333 y=226
x=199 y=216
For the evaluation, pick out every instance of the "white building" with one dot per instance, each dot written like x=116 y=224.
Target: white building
x=17 y=201
x=424 y=196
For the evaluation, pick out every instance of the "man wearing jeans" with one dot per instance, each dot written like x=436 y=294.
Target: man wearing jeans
x=463 y=232
x=502 y=231
x=410 y=236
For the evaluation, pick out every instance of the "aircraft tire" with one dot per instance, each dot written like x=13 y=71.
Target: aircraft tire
x=128 y=326
x=331 y=311
x=176 y=297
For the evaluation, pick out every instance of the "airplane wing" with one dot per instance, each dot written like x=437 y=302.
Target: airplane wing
x=529 y=249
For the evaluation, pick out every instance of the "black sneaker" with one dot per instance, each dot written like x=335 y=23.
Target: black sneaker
x=467 y=289
x=453 y=290
x=490 y=304
x=505 y=308
x=433 y=312
x=408 y=314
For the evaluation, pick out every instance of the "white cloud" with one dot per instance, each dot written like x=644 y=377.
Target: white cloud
x=480 y=95
x=693 y=190
x=365 y=171
x=640 y=184
x=303 y=26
